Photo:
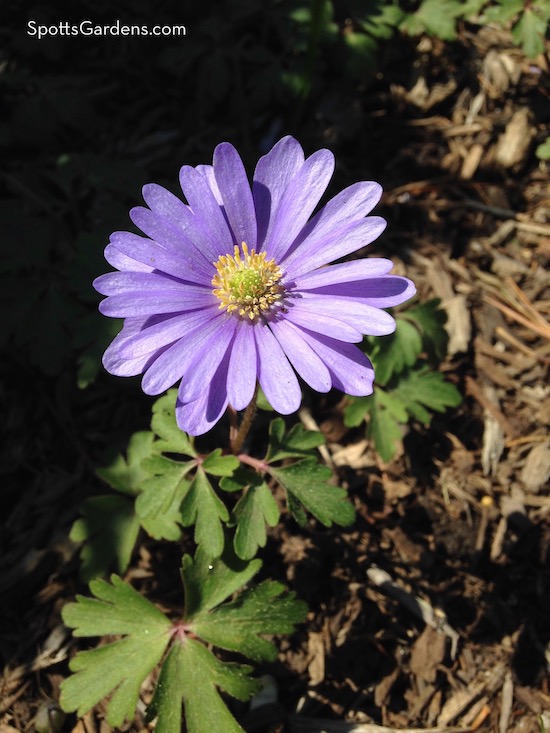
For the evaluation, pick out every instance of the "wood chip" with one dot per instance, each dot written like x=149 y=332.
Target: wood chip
x=513 y=145
x=506 y=703
x=458 y=326
x=299 y=724
x=536 y=471
x=427 y=653
x=316 y=650
x=487 y=682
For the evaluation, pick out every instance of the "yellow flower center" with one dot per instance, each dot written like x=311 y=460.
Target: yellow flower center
x=247 y=284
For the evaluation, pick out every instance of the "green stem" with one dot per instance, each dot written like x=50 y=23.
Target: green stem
x=248 y=417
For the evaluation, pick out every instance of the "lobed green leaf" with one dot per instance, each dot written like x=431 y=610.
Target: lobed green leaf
x=119 y=668
x=158 y=505
x=240 y=479
x=430 y=319
x=170 y=438
x=126 y=474
x=393 y=353
x=190 y=677
x=219 y=465
x=202 y=507
x=256 y=508
x=435 y=17
x=238 y=626
x=423 y=389
x=109 y=528
x=208 y=582
x=306 y=481
x=297 y=443
x=385 y=415
x=530 y=32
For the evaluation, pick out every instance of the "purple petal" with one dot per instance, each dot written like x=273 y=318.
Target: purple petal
x=379 y=292
x=173 y=363
x=114 y=283
x=198 y=417
x=272 y=176
x=350 y=369
x=302 y=357
x=276 y=376
x=365 y=318
x=321 y=323
x=344 y=272
x=113 y=359
x=174 y=241
x=350 y=205
x=297 y=203
x=208 y=354
x=192 y=230
x=208 y=172
x=156 y=334
x=153 y=255
x=153 y=302
x=243 y=367
x=164 y=203
x=315 y=253
x=205 y=207
x=237 y=196
x=121 y=261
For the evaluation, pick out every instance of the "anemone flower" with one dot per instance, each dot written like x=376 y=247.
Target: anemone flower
x=233 y=288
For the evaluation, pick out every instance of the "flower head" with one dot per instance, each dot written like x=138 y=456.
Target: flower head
x=231 y=287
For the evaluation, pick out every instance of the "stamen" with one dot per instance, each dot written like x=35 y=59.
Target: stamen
x=247 y=284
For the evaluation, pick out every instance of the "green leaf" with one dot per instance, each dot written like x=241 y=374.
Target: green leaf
x=203 y=508
x=361 y=49
x=355 y=410
x=219 y=465
x=159 y=503
x=529 y=32
x=208 y=582
x=170 y=438
x=426 y=389
x=385 y=415
x=381 y=20
x=109 y=528
x=502 y=12
x=189 y=677
x=306 y=481
x=430 y=319
x=239 y=625
x=240 y=479
x=256 y=508
x=435 y=17
x=395 y=352
x=472 y=8
x=120 y=667
x=127 y=475
x=297 y=443
x=543 y=150
x=261 y=399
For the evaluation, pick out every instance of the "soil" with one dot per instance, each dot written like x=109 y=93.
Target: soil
x=432 y=611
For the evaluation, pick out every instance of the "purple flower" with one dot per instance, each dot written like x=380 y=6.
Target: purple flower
x=231 y=287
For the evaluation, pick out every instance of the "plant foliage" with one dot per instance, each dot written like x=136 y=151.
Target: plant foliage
x=191 y=676
x=408 y=387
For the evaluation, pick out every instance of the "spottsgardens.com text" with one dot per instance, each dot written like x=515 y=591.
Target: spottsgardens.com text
x=88 y=28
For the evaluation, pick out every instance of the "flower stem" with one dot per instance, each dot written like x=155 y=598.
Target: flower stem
x=249 y=414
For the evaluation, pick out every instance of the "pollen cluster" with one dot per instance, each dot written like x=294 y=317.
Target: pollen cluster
x=247 y=283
